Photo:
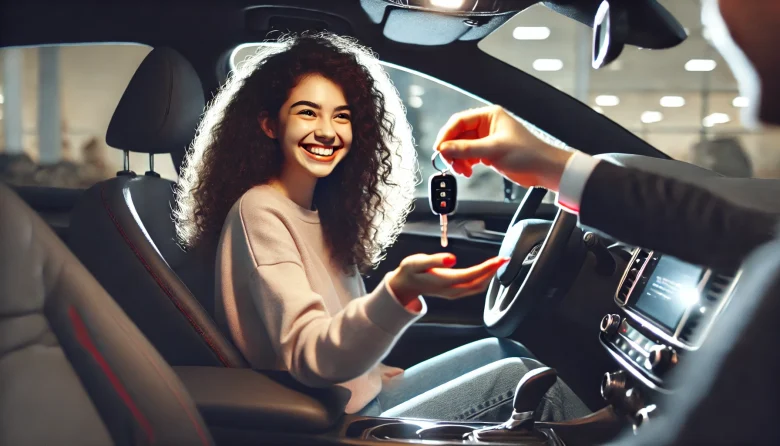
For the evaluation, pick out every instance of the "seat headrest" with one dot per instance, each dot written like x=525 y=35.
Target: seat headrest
x=161 y=106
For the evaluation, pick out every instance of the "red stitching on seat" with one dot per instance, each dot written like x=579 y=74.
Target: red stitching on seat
x=198 y=427
x=159 y=281
x=82 y=336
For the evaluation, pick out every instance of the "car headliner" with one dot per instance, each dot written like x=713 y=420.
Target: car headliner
x=205 y=32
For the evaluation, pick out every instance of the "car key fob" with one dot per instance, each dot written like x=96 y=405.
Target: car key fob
x=442 y=194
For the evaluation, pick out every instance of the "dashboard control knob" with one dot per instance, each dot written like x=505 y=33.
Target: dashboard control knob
x=610 y=324
x=662 y=358
x=613 y=385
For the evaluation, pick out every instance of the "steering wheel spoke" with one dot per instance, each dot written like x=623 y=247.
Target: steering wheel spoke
x=502 y=293
x=534 y=246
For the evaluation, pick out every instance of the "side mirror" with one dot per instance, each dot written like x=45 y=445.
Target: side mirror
x=610 y=31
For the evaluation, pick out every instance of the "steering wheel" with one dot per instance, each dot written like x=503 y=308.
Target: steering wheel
x=534 y=247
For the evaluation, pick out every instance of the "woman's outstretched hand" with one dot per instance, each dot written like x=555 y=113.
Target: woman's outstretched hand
x=433 y=275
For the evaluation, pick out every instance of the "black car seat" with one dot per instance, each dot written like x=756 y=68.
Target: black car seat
x=74 y=370
x=122 y=229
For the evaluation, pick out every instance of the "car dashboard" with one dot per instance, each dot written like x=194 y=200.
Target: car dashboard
x=667 y=307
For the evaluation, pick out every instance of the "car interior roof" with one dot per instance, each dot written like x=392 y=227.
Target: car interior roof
x=206 y=32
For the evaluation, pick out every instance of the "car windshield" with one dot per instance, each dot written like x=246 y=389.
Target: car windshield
x=684 y=101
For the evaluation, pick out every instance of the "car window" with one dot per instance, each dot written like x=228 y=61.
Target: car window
x=429 y=104
x=55 y=106
x=683 y=101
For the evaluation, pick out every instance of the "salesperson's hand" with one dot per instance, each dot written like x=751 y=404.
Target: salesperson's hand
x=490 y=136
x=433 y=275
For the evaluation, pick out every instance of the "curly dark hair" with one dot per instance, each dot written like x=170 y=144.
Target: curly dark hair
x=231 y=154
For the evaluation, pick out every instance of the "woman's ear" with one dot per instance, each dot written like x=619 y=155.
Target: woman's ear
x=267 y=125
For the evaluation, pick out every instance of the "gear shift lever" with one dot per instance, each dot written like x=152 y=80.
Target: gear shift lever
x=528 y=394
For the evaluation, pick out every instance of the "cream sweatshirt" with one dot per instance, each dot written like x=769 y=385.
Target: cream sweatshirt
x=288 y=307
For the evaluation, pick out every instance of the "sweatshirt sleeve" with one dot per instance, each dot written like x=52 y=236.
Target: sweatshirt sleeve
x=318 y=349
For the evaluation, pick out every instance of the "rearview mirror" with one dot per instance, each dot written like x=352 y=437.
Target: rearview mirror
x=610 y=31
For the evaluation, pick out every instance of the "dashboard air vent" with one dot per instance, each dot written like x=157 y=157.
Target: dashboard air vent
x=717 y=286
x=632 y=276
x=714 y=291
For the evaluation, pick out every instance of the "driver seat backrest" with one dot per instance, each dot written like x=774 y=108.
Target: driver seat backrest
x=123 y=231
x=73 y=368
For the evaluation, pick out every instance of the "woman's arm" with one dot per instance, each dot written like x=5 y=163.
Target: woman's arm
x=317 y=348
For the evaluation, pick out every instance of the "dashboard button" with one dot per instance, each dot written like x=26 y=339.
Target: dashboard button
x=662 y=358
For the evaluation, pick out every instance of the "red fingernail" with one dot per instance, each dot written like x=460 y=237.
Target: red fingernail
x=450 y=261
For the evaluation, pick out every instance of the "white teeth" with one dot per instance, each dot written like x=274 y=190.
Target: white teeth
x=321 y=151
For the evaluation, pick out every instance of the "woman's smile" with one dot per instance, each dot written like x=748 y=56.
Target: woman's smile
x=319 y=152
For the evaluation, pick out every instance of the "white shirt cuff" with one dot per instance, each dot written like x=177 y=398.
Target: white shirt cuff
x=575 y=176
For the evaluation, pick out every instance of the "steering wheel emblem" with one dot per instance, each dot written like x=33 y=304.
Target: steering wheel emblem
x=531 y=257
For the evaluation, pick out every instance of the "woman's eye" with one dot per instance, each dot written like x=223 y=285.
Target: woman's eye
x=307 y=113
x=343 y=116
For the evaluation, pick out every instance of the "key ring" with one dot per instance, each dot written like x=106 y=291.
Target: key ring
x=439 y=163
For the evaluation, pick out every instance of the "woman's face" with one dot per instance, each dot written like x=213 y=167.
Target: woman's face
x=314 y=127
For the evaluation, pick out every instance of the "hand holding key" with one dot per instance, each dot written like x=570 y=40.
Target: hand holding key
x=491 y=136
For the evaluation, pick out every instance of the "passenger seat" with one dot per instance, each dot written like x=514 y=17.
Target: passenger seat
x=73 y=369
x=123 y=231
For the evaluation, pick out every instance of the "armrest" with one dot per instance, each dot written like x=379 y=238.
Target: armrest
x=249 y=399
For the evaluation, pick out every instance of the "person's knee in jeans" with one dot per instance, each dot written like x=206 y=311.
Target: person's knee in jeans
x=469 y=397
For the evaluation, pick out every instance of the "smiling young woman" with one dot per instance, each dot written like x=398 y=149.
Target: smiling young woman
x=302 y=174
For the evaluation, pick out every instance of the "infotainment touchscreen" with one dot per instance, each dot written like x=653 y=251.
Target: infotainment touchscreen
x=670 y=289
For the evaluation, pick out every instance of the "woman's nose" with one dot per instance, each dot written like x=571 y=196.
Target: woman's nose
x=325 y=133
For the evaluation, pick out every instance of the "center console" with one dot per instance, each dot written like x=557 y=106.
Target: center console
x=667 y=308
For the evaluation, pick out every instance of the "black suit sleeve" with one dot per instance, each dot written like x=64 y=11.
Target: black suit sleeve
x=673 y=217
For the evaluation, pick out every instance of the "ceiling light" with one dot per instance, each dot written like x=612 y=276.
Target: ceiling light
x=651 y=117
x=449 y=4
x=700 y=65
x=672 y=101
x=598 y=109
x=739 y=102
x=531 y=33
x=548 y=65
x=715 y=118
x=416 y=90
x=2 y=99
x=607 y=100
x=415 y=102
x=615 y=66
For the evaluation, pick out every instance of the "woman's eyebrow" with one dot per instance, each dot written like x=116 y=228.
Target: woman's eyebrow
x=317 y=106
x=306 y=103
